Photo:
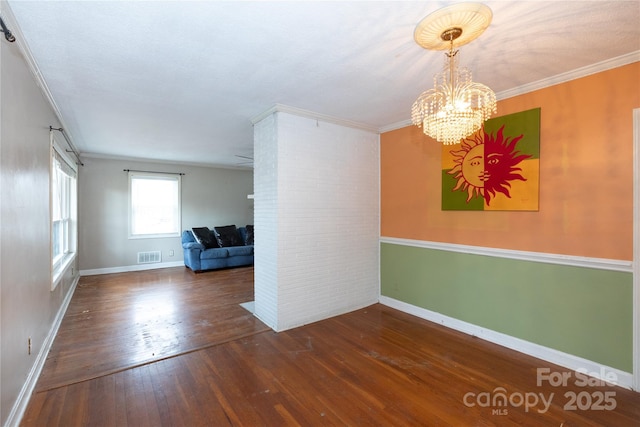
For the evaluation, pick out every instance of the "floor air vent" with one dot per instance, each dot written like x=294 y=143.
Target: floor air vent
x=148 y=257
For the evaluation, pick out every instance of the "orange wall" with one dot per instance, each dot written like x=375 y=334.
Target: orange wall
x=586 y=176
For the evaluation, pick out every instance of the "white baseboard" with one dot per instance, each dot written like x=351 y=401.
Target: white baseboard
x=575 y=363
x=20 y=405
x=127 y=268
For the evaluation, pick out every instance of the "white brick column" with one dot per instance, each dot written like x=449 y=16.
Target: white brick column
x=316 y=189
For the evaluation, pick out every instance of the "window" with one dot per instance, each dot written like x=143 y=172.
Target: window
x=154 y=205
x=63 y=212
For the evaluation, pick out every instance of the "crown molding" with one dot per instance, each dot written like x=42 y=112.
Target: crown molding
x=599 y=67
x=520 y=90
x=280 y=108
x=23 y=47
x=396 y=125
x=101 y=156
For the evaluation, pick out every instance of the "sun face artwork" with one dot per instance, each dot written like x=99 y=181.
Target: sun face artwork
x=497 y=168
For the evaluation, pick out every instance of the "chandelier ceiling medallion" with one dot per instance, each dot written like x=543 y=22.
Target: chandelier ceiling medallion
x=456 y=107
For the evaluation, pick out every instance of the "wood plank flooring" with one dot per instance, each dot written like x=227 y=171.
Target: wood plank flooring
x=372 y=367
x=117 y=321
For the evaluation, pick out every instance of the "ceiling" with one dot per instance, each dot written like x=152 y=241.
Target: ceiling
x=181 y=81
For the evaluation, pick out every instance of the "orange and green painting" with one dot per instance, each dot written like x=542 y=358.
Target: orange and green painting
x=497 y=168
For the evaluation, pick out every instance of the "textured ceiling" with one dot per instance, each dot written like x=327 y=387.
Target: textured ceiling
x=180 y=81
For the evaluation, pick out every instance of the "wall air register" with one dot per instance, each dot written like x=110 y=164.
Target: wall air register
x=149 y=257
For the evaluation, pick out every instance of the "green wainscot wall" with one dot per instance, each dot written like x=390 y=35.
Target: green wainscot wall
x=585 y=312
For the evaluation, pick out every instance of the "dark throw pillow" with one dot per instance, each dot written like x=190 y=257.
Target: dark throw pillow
x=228 y=236
x=205 y=237
x=249 y=235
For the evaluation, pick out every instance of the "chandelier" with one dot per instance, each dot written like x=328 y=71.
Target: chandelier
x=455 y=107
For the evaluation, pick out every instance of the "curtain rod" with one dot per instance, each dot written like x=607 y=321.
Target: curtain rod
x=73 y=150
x=166 y=173
x=7 y=33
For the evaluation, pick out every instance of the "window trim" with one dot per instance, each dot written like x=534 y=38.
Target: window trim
x=60 y=266
x=154 y=175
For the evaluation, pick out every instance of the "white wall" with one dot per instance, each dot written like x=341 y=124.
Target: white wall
x=28 y=307
x=210 y=197
x=317 y=219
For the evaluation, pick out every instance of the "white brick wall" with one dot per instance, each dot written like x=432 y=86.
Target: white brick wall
x=265 y=211
x=317 y=219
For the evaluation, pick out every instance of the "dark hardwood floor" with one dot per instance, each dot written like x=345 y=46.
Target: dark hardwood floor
x=171 y=348
x=118 y=321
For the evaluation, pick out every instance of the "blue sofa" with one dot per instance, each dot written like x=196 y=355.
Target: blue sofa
x=219 y=251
